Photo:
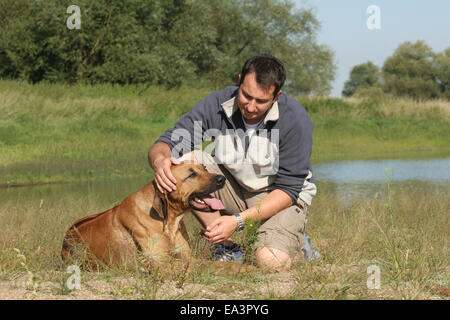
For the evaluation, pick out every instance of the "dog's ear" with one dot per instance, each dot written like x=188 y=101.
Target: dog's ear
x=160 y=203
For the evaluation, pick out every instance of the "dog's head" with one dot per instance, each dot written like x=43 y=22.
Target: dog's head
x=194 y=188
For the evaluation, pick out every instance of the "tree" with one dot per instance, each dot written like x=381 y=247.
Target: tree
x=364 y=75
x=277 y=28
x=160 y=41
x=414 y=70
x=441 y=65
x=410 y=72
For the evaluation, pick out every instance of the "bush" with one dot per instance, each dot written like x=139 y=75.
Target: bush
x=371 y=93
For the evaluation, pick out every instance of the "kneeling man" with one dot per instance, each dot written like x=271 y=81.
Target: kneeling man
x=262 y=143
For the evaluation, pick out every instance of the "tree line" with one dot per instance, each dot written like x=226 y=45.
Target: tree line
x=414 y=71
x=162 y=42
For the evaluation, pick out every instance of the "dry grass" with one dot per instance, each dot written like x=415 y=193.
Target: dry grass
x=405 y=234
x=395 y=106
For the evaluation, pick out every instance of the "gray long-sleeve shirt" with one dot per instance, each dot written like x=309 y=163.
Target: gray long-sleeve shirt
x=276 y=157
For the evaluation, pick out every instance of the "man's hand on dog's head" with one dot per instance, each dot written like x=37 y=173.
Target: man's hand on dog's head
x=164 y=179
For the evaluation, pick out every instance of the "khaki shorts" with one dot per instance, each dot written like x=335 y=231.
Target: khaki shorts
x=284 y=231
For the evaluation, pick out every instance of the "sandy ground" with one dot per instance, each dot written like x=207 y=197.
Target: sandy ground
x=274 y=286
x=121 y=288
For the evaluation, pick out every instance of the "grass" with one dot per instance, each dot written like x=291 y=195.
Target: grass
x=55 y=132
x=404 y=234
x=59 y=133
x=372 y=129
x=51 y=133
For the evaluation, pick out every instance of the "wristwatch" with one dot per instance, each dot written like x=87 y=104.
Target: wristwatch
x=240 y=222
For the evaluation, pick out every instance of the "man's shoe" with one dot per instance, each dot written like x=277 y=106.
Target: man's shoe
x=225 y=253
x=308 y=251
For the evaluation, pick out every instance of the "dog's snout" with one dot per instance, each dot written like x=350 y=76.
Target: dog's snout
x=220 y=180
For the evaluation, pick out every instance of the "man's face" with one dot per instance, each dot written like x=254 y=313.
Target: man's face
x=253 y=100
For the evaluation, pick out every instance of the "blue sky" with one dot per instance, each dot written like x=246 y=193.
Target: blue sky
x=344 y=30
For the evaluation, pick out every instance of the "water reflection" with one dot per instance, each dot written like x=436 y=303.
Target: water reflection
x=106 y=192
x=363 y=171
x=345 y=178
x=371 y=178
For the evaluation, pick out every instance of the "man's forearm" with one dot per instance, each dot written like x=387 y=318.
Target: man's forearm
x=270 y=205
x=157 y=151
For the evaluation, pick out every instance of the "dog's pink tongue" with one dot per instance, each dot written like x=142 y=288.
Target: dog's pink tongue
x=214 y=203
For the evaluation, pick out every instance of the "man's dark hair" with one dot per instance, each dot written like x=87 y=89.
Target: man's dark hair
x=269 y=71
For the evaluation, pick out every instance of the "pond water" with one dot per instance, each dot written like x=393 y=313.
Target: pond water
x=349 y=179
x=378 y=171
x=346 y=178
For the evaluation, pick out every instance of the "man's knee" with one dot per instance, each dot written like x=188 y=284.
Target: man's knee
x=274 y=259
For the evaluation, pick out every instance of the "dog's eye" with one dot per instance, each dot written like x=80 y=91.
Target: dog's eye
x=192 y=175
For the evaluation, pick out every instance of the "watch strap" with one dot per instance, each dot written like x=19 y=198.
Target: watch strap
x=240 y=222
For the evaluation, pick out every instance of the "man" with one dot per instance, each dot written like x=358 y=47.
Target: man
x=262 y=143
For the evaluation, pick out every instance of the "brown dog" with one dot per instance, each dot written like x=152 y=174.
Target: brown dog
x=150 y=223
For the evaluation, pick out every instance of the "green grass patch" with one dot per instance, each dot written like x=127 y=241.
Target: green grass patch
x=57 y=132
